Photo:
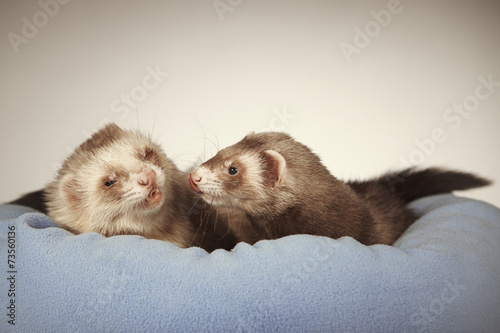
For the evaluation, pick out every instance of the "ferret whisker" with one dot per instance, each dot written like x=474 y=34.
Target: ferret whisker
x=202 y=219
x=137 y=113
x=229 y=222
x=232 y=195
x=204 y=144
x=214 y=144
x=228 y=219
x=161 y=134
x=197 y=229
x=224 y=235
x=154 y=120
x=205 y=139
x=213 y=210
x=193 y=206
x=198 y=160
x=191 y=164
x=177 y=158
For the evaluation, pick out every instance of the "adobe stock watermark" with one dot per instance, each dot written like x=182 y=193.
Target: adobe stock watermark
x=30 y=28
x=222 y=7
x=319 y=255
x=298 y=274
x=280 y=120
x=110 y=289
x=150 y=81
x=56 y=165
x=372 y=29
x=127 y=101
x=454 y=118
x=428 y=314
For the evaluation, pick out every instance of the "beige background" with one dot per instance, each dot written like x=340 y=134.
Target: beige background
x=368 y=85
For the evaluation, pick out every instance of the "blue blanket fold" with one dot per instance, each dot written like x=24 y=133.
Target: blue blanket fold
x=442 y=275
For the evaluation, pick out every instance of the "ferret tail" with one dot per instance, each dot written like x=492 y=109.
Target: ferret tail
x=35 y=200
x=411 y=184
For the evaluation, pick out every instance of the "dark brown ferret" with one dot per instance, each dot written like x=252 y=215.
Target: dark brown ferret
x=121 y=182
x=284 y=189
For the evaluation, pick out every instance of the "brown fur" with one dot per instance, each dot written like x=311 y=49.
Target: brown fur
x=285 y=189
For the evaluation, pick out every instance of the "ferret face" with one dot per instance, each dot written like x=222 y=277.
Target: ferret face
x=227 y=180
x=110 y=183
x=246 y=176
x=123 y=179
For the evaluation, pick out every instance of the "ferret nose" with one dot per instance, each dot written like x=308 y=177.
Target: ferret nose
x=147 y=178
x=195 y=179
x=197 y=176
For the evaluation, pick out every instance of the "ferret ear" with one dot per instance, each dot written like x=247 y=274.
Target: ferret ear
x=110 y=127
x=250 y=134
x=67 y=189
x=275 y=166
x=109 y=133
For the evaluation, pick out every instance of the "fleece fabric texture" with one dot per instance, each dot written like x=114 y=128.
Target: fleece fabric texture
x=442 y=275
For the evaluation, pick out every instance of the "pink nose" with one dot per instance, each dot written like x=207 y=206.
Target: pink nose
x=195 y=178
x=147 y=178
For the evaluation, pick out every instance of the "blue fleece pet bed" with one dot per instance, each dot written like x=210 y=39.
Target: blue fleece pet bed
x=442 y=275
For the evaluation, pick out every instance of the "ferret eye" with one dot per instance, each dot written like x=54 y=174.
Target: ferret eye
x=232 y=170
x=109 y=183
